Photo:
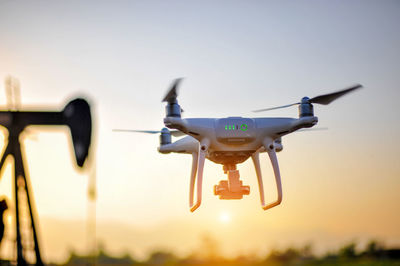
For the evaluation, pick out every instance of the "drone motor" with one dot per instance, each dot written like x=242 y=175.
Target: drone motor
x=173 y=109
x=305 y=108
x=165 y=136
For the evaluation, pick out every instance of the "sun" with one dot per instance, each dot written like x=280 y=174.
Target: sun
x=224 y=217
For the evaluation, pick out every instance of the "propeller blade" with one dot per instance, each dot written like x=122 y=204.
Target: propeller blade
x=137 y=131
x=312 y=129
x=321 y=99
x=172 y=93
x=175 y=133
x=328 y=98
x=273 y=108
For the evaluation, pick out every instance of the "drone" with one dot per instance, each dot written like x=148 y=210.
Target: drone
x=231 y=141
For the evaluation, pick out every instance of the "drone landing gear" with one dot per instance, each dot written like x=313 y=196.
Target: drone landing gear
x=233 y=187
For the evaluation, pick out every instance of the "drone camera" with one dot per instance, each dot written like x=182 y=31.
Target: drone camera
x=232 y=188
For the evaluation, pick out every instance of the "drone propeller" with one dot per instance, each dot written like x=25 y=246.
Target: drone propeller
x=172 y=93
x=174 y=133
x=321 y=99
x=312 y=129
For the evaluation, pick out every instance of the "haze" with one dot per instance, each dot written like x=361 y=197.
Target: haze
x=339 y=185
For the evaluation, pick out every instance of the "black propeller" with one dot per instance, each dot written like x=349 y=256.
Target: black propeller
x=321 y=99
x=172 y=93
x=174 y=133
x=312 y=129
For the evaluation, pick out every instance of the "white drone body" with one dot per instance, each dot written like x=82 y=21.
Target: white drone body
x=231 y=141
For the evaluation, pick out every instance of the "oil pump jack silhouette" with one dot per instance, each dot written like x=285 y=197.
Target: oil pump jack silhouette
x=77 y=116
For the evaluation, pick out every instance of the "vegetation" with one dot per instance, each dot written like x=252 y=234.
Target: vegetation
x=373 y=254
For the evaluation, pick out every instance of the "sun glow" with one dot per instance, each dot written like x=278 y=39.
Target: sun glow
x=224 y=217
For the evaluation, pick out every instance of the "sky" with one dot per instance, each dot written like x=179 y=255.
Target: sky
x=339 y=185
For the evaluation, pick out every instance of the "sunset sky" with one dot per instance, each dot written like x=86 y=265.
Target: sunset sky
x=339 y=185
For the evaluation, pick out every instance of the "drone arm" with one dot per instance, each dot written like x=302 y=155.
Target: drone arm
x=200 y=167
x=195 y=161
x=198 y=128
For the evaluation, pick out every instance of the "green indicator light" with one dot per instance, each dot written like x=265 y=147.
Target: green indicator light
x=229 y=127
x=226 y=127
x=243 y=127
